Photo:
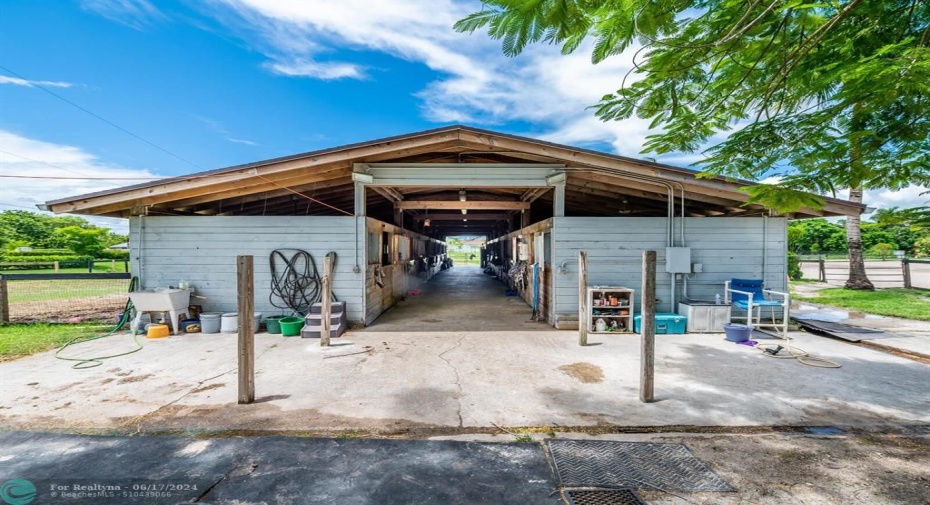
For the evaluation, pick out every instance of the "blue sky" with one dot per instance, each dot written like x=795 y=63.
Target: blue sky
x=223 y=82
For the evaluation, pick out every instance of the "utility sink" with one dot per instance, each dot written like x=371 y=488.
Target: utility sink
x=173 y=301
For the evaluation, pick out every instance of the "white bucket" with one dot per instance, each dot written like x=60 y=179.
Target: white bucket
x=230 y=323
x=257 y=322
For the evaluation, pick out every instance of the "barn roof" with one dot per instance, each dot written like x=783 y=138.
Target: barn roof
x=320 y=182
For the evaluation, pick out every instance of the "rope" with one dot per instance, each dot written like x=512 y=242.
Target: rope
x=83 y=363
x=788 y=351
x=296 y=283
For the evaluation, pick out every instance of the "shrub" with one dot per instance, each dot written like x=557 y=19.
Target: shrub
x=64 y=261
x=794 y=267
x=922 y=247
x=113 y=254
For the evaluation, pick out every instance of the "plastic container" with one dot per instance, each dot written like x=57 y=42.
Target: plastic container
x=291 y=326
x=190 y=326
x=667 y=323
x=737 y=332
x=256 y=322
x=210 y=322
x=158 y=331
x=273 y=324
x=230 y=322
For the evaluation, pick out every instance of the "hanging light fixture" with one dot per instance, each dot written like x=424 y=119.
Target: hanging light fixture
x=463 y=198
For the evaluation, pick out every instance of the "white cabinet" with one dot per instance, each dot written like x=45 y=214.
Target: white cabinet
x=705 y=317
x=613 y=306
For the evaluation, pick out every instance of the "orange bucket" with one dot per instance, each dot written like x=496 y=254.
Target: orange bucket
x=158 y=331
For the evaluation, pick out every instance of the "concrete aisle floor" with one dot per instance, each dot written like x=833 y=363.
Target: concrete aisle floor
x=461 y=298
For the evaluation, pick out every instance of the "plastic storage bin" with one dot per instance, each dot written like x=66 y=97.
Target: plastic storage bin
x=666 y=323
x=737 y=332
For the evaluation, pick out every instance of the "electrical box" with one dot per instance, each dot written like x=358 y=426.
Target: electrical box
x=523 y=251
x=697 y=268
x=678 y=260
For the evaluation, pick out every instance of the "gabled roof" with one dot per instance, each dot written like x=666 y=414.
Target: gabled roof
x=598 y=183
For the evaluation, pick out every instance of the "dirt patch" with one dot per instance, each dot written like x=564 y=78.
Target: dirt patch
x=207 y=388
x=584 y=372
x=134 y=378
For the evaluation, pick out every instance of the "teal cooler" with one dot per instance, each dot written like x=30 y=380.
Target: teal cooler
x=666 y=323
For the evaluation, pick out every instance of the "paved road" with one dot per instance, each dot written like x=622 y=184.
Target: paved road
x=77 y=469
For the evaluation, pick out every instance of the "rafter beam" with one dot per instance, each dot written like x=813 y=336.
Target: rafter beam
x=456 y=205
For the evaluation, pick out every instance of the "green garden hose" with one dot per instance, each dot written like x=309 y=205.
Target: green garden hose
x=83 y=363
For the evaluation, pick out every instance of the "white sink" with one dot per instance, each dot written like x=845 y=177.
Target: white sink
x=161 y=300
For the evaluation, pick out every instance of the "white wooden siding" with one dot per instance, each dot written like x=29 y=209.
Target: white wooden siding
x=727 y=247
x=202 y=250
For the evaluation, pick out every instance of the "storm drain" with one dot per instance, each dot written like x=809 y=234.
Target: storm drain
x=665 y=467
x=603 y=497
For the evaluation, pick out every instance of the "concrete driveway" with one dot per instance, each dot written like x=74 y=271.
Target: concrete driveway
x=448 y=381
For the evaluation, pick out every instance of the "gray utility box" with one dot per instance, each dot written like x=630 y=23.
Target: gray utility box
x=705 y=317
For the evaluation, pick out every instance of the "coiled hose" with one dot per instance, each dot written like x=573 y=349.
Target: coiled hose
x=296 y=284
x=83 y=363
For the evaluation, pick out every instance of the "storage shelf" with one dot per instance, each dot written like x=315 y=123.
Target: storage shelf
x=607 y=312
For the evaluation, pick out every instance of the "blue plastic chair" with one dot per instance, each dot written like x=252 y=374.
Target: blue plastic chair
x=750 y=296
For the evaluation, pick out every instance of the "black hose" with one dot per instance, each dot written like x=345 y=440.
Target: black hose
x=296 y=284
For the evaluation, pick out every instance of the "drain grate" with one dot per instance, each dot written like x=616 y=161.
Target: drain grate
x=603 y=497
x=672 y=467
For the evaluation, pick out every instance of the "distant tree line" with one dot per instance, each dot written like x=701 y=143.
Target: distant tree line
x=23 y=229
x=890 y=230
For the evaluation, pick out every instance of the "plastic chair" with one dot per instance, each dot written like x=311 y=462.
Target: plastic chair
x=750 y=295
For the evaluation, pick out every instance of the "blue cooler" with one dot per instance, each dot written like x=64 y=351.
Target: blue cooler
x=666 y=323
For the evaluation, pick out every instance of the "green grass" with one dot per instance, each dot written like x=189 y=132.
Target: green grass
x=18 y=340
x=461 y=258
x=36 y=291
x=905 y=303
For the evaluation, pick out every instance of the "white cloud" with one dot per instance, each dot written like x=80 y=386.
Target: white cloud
x=24 y=156
x=136 y=14
x=243 y=141
x=911 y=196
x=326 y=71
x=16 y=81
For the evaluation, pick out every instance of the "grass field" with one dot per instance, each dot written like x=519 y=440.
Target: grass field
x=18 y=340
x=45 y=290
x=895 y=302
x=462 y=259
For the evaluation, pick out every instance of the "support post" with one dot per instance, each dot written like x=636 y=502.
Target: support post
x=558 y=200
x=327 y=301
x=4 y=302
x=906 y=271
x=648 y=328
x=583 y=298
x=821 y=269
x=246 y=290
x=55 y=265
x=360 y=202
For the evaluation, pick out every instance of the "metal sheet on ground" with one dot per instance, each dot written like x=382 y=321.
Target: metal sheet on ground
x=603 y=497
x=642 y=465
x=844 y=331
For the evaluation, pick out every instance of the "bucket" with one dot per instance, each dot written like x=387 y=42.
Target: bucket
x=158 y=331
x=737 y=332
x=256 y=321
x=190 y=325
x=273 y=324
x=210 y=322
x=230 y=323
x=291 y=326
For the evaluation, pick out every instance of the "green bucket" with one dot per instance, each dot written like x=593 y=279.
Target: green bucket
x=273 y=324
x=291 y=326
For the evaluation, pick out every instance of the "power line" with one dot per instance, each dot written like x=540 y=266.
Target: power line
x=42 y=162
x=107 y=121
x=82 y=178
x=20 y=206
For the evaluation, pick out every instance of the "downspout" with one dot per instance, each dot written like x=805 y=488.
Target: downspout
x=141 y=256
x=765 y=243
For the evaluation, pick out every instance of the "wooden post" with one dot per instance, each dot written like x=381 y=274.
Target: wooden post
x=246 y=287
x=822 y=269
x=327 y=301
x=906 y=271
x=4 y=302
x=648 y=328
x=55 y=265
x=583 y=298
